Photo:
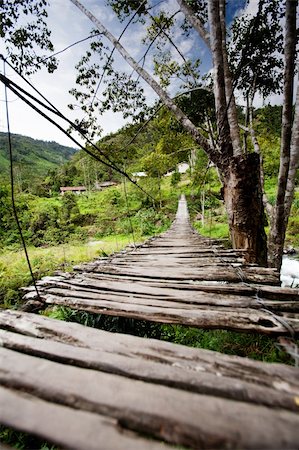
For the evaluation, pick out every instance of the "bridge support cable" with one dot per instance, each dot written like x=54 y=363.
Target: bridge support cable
x=13 y=202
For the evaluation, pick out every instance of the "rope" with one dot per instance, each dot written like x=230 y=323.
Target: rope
x=291 y=348
x=12 y=190
x=22 y=95
x=128 y=212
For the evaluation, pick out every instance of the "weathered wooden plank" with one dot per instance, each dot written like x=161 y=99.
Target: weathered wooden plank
x=67 y=427
x=176 y=374
x=162 y=298
x=174 y=415
x=155 y=287
x=237 y=319
x=229 y=274
x=172 y=262
x=264 y=291
x=150 y=349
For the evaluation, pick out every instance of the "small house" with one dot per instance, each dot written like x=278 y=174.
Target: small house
x=104 y=184
x=74 y=189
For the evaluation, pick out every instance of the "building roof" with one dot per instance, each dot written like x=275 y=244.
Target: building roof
x=73 y=188
x=106 y=184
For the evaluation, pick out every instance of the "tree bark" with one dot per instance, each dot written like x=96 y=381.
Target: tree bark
x=294 y=159
x=268 y=207
x=225 y=143
x=278 y=226
x=244 y=205
x=195 y=22
x=230 y=98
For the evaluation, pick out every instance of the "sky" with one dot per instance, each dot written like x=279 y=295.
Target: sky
x=68 y=25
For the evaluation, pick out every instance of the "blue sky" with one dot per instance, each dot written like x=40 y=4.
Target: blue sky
x=68 y=25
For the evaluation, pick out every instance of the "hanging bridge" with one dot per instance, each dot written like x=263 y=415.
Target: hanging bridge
x=79 y=387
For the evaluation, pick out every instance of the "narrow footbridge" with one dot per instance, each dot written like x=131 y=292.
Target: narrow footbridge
x=82 y=388
x=182 y=278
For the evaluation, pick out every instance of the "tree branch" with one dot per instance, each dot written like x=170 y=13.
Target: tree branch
x=181 y=117
x=267 y=205
x=173 y=43
x=219 y=80
x=230 y=98
x=286 y=131
x=195 y=22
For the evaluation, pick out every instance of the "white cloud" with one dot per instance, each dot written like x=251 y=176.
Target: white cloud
x=251 y=9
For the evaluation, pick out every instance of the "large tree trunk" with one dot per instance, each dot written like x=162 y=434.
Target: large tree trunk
x=224 y=138
x=244 y=206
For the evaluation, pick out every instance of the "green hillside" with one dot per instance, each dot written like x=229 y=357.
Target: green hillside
x=31 y=157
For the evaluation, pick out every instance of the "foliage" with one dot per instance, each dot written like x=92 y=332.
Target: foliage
x=252 y=345
x=101 y=321
x=32 y=159
x=25 y=33
x=14 y=272
x=256 y=50
x=198 y=104
x=213 y=229
x=19 y=440
x=175 y=178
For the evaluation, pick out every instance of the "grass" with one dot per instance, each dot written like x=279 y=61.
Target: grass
x=251 y=345
x=17 y=439
x=14 y=272
x=214 y=230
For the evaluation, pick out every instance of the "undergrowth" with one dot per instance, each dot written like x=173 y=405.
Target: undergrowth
x=14 y=272
x=20 y=440
x=251 y=345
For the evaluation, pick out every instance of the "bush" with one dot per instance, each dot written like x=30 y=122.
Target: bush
x=175 y=178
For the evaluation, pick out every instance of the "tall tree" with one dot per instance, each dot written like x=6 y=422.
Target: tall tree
x=286 y=176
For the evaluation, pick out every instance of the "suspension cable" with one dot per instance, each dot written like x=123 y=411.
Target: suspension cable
x=22 y=95
x=290 y=347
x=13 y=191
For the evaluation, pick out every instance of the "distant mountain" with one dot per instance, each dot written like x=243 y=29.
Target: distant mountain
x=32 y=157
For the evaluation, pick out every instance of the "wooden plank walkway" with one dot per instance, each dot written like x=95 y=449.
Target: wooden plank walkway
x=83 y=388
x=179 y=278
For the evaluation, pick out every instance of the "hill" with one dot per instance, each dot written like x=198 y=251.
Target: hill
x=32 y=157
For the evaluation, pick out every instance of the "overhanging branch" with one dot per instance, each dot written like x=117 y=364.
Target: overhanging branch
x=180 y=116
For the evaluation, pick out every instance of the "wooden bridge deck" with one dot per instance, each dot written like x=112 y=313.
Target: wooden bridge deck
x=83 y=388
x=180 y=278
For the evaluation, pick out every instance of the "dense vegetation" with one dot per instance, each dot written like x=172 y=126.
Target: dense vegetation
x=32 y=158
